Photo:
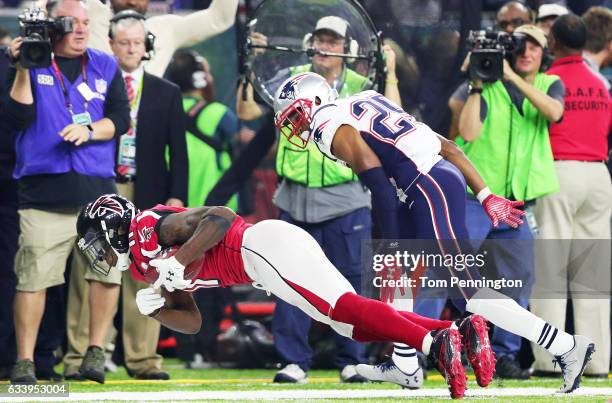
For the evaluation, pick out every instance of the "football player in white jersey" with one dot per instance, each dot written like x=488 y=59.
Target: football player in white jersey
x=384 y=145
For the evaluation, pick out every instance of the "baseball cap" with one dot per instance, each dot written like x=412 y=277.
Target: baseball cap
x=534 y=33
x=551 y=10
x=334 y=24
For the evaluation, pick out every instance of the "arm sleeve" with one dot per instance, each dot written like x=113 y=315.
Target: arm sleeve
x=117 y=106
x=179 y=169
x=242 y=167
x=384 y=201
x=229 y=127
x=461 y=93
x=198 y=26
x=18 y=116
x=557 y=91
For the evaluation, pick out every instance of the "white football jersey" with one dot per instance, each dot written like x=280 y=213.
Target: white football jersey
x=382 y=122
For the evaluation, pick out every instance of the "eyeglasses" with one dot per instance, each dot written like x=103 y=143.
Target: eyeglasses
x=331 y=42
x=516 y=22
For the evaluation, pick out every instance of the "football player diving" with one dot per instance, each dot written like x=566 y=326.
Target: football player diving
x=273 y=255
x=395 y=155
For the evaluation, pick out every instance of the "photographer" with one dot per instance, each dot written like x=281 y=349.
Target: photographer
x=504 y=128
x=65 y=116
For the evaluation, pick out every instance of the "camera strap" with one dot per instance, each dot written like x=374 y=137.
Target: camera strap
x=60 y=78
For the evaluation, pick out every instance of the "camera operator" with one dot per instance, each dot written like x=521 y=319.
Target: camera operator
x=65 y=116
x=504 y=128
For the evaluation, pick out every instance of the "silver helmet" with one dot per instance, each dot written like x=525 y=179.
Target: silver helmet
x=296 y=101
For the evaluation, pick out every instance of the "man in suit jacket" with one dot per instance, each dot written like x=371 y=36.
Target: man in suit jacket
x=145 y=176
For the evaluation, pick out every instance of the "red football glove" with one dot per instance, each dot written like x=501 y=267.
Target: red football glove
x=501 y=210
x=387 y=293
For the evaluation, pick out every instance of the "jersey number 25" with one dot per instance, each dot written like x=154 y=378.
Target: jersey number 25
x=387 y=121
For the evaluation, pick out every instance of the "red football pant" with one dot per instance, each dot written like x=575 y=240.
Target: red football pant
x=377 y=321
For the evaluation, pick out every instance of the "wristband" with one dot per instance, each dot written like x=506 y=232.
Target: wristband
x=90 y=134
x=483 y=194
x=392 y=81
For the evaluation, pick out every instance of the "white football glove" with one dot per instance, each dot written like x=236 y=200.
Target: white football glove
x=148 y=301
x=171 y=274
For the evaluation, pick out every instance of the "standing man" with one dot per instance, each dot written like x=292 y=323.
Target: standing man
x=211 y=126
x=144 y=177
x=510 y=16
x=582 y=207
x=171 y=31
x=66 y=116
x=504 y=132
x=598 y=47
x=327 y=201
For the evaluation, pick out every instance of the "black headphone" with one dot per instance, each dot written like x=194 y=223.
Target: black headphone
x=187 y=70
x=125 y=14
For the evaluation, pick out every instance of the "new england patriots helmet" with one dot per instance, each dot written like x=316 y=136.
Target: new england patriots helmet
x=103 y=227
x=296 y=101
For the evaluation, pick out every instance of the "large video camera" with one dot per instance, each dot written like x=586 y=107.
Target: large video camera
x=36 y=29
x=488 y=51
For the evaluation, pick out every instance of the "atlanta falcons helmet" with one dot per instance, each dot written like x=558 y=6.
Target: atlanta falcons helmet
x=296 y=101
x=103 y=227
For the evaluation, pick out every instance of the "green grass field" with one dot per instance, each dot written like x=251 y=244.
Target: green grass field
x=241 y=385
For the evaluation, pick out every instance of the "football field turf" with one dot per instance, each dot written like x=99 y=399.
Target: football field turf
x=247 y=385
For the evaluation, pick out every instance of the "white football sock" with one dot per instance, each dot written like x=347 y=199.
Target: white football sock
x=404 y=356
x=504 y=312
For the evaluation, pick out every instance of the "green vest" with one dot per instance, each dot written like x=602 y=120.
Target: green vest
x=206 y=165
x=513 y=152
x=308 y=166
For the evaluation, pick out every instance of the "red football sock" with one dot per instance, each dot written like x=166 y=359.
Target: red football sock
x=376 y=321
x=427 y=323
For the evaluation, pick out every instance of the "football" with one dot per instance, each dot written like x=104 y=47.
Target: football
x=191 y=270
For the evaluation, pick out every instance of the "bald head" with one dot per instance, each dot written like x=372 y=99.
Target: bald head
x=512 y=15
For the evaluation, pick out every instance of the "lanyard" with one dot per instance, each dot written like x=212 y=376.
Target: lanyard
x=134 y=106
x=60 y=78
x=136 y=99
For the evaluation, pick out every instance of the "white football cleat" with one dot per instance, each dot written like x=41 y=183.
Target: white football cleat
x=389 y=372
x=350 y=375
x=292 y=373
x=573 y=362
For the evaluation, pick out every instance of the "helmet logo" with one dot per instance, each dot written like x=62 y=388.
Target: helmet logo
x=288 y=91
x=105 y=205
x=81 y=243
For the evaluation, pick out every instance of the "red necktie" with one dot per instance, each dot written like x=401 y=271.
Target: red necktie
x=128 y=86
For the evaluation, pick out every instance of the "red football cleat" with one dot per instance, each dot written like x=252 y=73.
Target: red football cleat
x=446 y=352
x=475 y=336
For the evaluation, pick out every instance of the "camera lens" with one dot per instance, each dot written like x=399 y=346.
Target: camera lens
x=486 y=64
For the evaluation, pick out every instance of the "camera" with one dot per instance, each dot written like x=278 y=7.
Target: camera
x=488 y=51
x=37 y=29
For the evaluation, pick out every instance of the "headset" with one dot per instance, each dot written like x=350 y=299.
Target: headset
x=351 y=46
x=187 y=70
x=149 y=37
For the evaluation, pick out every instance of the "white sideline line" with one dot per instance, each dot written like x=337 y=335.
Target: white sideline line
x=307 y=394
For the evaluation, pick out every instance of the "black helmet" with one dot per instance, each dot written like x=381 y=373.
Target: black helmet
x=103 y=225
